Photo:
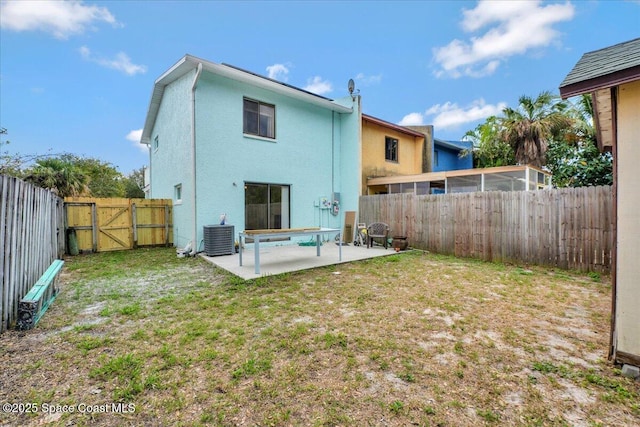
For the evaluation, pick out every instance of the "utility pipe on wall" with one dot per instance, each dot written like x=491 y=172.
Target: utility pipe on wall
x=194 y=249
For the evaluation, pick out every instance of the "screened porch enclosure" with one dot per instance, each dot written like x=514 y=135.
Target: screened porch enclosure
x=506 y=178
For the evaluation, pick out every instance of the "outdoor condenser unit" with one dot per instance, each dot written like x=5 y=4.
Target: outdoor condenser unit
x=218 y=240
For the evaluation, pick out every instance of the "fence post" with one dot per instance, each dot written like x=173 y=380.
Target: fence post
x=94 y=228
x=134 y=225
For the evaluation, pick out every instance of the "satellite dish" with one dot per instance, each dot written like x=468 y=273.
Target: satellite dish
x=351 y=86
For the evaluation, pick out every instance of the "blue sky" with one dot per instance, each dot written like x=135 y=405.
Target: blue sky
x=77 y=76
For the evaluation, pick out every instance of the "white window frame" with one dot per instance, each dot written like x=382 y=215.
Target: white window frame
x=177 y=194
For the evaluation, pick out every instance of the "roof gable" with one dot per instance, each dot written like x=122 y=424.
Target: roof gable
x=188 y=63
x=603 y=68
x=389 y=125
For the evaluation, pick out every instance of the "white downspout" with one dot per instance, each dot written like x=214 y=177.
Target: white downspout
x=194 y=247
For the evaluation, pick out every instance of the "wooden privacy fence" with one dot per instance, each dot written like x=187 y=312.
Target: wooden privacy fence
x=569 y=228
x=31 y=238
x=114 y=224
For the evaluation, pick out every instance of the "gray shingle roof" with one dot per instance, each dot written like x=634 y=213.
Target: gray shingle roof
x=604 y=62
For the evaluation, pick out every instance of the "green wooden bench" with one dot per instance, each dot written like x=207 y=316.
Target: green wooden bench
x=40 y=297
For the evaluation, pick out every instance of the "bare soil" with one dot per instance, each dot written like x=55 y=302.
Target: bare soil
x=409 y=339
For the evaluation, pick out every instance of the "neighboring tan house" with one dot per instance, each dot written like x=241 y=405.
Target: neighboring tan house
x=390 y=150
x=227 y=141
x=612 y=77
x=407 y=159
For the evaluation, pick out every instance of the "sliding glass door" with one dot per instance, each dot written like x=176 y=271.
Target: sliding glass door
x=266 y=206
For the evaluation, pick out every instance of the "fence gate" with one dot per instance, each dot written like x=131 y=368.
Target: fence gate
x=114 y=223
x=118 y=224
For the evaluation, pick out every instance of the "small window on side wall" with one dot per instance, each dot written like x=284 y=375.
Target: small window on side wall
x=259 y=119
x=177 y=193
x=156 y=143
x=391 y=149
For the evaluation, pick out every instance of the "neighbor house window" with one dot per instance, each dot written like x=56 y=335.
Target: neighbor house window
x=435 y=158
x=391 y=149
x=177 y=193
x=156 y=143
x=259 y=119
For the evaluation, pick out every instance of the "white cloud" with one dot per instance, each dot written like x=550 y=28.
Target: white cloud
x=318 y=86
x=135 y=136
x=60 y=18
x=278 y=72
x=512 y=28
x=121 y=62
x=412 y=119
x=365 y=80
x=450 y=115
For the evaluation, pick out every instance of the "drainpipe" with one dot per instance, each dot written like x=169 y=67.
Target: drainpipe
x=333 y=156
x=194 y=247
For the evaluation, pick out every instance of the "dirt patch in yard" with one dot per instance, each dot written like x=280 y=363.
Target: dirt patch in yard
x=410 y=339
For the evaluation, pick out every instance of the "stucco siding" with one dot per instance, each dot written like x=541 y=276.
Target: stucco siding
x=448 y=160
x=348 y=159
x=171 y=161
x=305 y=154
x=628 y=232
x=374 y=163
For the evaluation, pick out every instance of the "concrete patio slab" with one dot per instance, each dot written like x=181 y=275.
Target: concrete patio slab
x=291 y=257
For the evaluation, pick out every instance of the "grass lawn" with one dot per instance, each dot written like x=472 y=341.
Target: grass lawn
x=145 y=338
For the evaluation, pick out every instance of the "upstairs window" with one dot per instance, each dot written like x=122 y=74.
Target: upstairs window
x=156 y=143
x=259 y=119
x=391 y=149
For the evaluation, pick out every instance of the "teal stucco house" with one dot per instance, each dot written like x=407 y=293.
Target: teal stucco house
x=223 y=140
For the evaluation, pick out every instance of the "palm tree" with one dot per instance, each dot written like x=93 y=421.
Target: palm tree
x=574 y=158
x=59 y=176
x=529 y=128
x=585 y=130
x=488 y=149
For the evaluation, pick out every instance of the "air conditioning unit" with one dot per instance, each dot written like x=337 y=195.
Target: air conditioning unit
x=218 y=240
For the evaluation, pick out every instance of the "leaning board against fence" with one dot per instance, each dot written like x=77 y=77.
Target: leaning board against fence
x=569 y=228
x=34 y=304
x=111 y=224
x=31 y=237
